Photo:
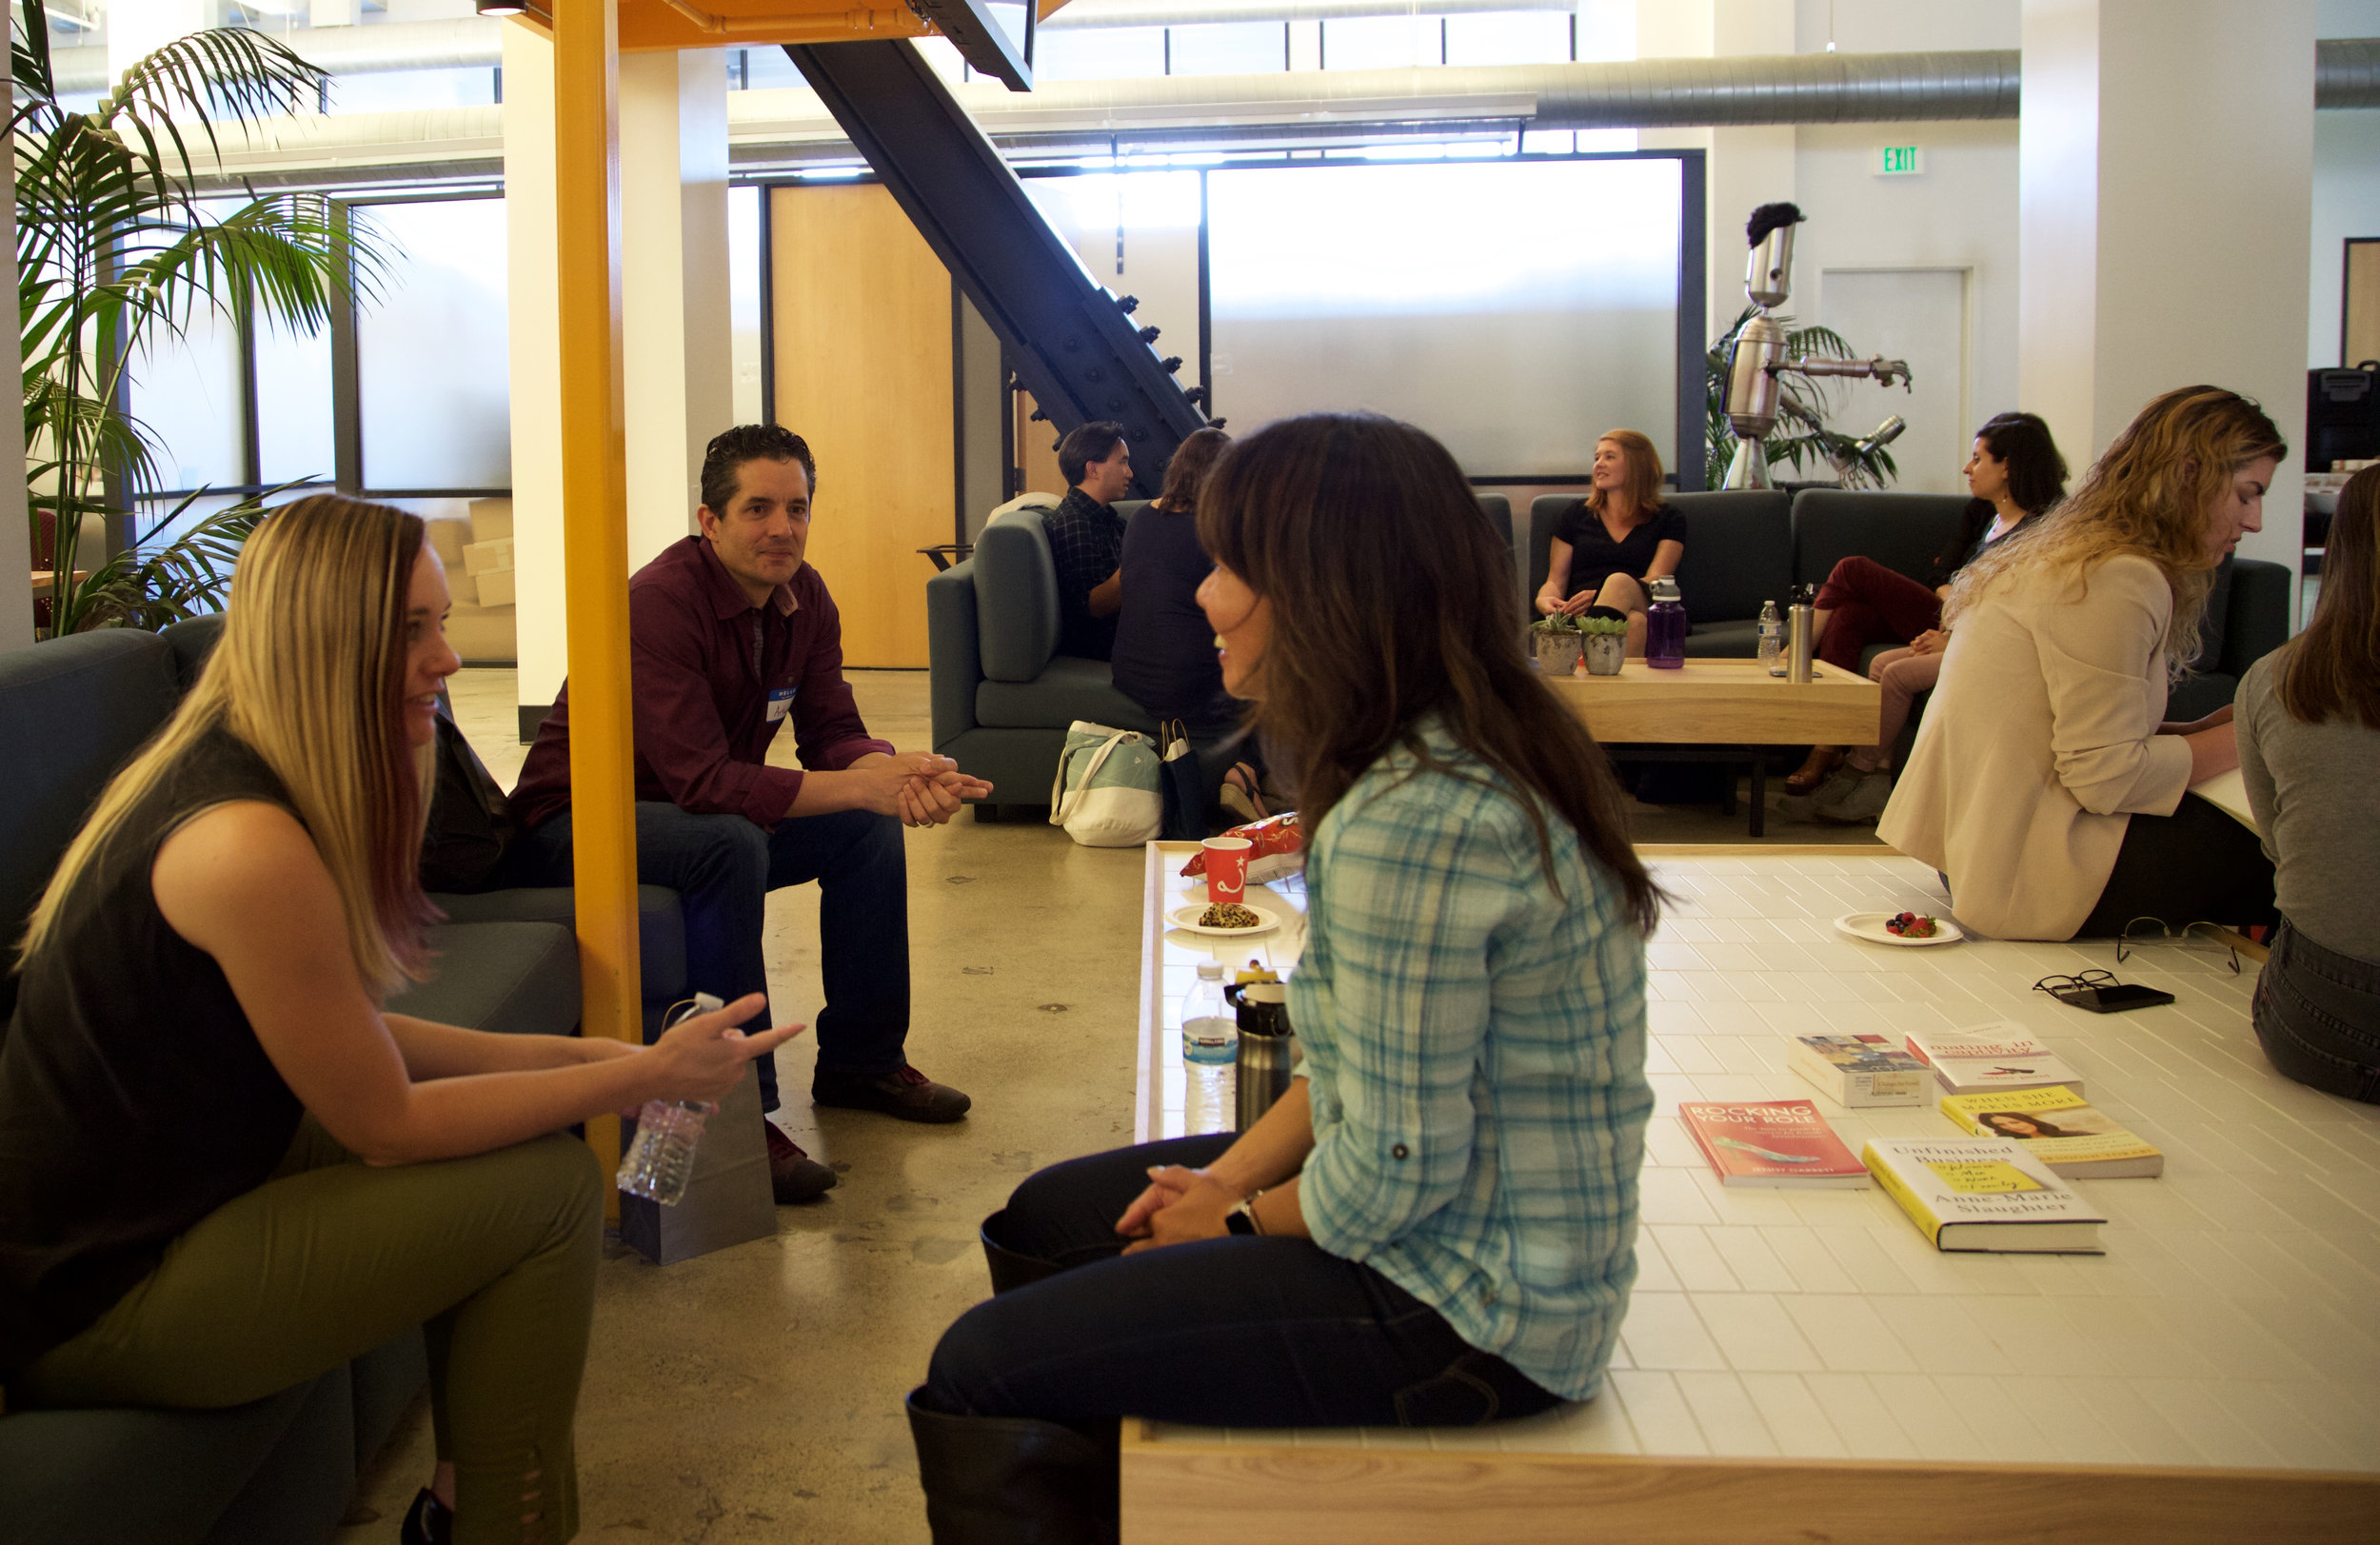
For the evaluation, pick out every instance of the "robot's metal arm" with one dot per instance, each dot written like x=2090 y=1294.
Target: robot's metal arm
x=1886 y=371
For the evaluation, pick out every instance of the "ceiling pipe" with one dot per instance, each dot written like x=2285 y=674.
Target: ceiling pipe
x=1643 y=94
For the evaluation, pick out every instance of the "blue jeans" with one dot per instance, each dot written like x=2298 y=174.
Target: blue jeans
x=1236 y=1332
x=2317 y=1015
x=722 y=868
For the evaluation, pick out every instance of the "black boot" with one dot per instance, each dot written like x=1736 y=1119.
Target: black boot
x=1010 y=1269
x=1011 y=1480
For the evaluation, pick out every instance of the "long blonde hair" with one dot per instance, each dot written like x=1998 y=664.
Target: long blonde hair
x=310 y=673
x=2151 y=496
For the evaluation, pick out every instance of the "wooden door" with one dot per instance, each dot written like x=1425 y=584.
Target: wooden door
x=2361 y=324
x=860 y=337
x=1037 y=449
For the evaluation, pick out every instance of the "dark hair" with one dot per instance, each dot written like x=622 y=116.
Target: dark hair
x=2041 y=1126
x=2334 y=667
x=2036 y=478
x=1194 y=459
x=1392 y=603
x=1086 y=444
x=723 y=458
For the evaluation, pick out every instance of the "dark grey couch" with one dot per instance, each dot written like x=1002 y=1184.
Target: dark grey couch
x=281 y=1469
x=1747 y=547
x=1002 y=695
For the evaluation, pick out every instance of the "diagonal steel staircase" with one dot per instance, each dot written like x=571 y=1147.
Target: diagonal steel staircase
x=1073 y=345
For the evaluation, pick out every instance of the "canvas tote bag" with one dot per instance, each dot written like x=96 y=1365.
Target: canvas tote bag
x=1107 y=793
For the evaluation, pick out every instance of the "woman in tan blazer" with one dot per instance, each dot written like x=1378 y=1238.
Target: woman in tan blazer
x=2046 y=784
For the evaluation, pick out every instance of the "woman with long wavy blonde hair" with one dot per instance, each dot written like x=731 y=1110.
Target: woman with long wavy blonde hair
x=2047 y=785
x=224 y=1169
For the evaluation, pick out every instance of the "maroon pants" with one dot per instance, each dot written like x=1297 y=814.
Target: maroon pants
x=1871 y=605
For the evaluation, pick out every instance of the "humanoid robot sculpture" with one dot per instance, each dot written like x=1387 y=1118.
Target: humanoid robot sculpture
x=1759 y=351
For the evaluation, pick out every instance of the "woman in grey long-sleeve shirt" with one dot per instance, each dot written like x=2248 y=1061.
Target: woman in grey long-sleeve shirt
x=2308 y=729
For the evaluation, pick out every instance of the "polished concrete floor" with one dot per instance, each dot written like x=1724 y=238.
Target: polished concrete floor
x=754 y=1394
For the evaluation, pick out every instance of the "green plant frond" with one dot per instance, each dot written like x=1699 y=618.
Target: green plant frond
x=1816 y=340
x=29 y=52
x=240 y=74
x=286 y=253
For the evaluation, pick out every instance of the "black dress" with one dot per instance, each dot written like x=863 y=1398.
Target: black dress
x=134 y=1097
x=1165 y=657
x=1595 y=557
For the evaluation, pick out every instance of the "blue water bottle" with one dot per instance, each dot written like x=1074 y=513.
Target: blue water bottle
x=1665 y=625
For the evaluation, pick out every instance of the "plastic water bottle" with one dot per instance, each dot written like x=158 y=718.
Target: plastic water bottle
x=1771 y=639
x=1210 y=1050
x=660 y=1164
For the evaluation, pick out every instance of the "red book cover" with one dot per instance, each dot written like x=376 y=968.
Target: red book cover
x=1772 y=1142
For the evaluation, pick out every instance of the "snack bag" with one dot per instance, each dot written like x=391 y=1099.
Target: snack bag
x=1277 y=849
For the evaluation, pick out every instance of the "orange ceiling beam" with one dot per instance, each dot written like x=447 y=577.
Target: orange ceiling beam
x=654 y=25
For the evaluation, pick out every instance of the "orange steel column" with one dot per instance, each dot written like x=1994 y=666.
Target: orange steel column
x=595 y=525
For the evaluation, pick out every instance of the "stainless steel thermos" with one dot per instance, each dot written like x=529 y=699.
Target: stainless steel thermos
x=1800 y=637
x=1266 y=1043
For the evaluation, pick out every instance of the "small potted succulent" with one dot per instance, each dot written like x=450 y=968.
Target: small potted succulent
x=1605 y=645
x=1557 y=640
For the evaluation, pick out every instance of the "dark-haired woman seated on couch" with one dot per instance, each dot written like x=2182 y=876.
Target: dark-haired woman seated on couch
x=1620 y=537
x=2016 y=474
x=1165 y=657
x=2309 y=726
x=1435 y=1226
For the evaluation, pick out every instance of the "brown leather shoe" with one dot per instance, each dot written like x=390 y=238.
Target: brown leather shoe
x=907 y=1094
x=793 y=1175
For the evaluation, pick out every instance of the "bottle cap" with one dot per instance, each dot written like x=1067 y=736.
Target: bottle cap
x=1211 y=971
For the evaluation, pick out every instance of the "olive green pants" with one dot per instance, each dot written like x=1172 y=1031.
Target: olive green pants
x=493 y=1256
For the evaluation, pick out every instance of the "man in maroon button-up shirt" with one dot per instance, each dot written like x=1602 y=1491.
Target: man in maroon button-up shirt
x=731 y=635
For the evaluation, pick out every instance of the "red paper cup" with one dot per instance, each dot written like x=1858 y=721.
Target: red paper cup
x=1227 y=868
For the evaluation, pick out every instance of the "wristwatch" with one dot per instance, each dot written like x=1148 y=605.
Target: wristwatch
x=1241 y=1219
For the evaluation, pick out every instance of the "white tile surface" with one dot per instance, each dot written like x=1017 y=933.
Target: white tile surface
x=2231 y=1322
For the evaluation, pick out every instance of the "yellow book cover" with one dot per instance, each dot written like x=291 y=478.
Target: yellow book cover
x=2061 y=1128
x=1983 y=1194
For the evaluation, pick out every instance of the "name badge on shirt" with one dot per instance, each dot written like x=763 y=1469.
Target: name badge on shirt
x=781 y=703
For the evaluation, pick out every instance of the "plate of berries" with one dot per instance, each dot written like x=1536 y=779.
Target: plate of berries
x=1914 y=929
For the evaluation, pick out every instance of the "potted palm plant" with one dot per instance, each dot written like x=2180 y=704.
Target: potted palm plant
x=1801 y=408
x=115 y=256
x=1604 y=645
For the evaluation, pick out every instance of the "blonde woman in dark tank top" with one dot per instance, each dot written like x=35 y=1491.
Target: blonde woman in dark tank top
x=227 y=1170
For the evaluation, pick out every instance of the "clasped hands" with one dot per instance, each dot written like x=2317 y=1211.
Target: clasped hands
x=923 y=790
x=1179 y=1205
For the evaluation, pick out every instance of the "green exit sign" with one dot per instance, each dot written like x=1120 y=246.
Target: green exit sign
x=1900 y=161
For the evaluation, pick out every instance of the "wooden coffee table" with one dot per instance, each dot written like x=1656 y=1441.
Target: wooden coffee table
x=1722 y=710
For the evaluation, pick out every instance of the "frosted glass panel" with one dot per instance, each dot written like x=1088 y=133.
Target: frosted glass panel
x=431 y=355
x=743 y=300
x=1513 y=309
x=295 y=427
x=412 y=91
x=1230 y=49
x=1509 y=37
x=187 y=392
x=1380 y=42
x=1098 y=53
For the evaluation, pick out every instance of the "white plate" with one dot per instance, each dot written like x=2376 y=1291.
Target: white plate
x=1870 y=926
x=1186 y=918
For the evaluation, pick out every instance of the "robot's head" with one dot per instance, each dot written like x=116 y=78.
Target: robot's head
x=1769 y=272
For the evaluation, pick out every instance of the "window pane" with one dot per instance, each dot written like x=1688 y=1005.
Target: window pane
x=432 y=356
x=409 y=90
x=1379 y=42
x=1138 y=234
x=1230 y=49
x=186 y=391
x=1514 y=345
x=1098 y=53
x=743 y=300
x=294 y=433
x=771 y=69
x=1509 y=37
